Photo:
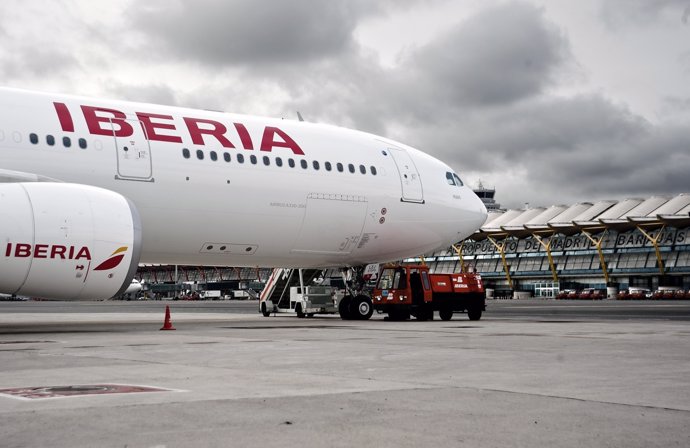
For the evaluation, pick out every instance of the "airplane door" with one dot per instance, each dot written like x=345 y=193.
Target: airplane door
x=409 y=176
x=133 y=154
x=345 y=215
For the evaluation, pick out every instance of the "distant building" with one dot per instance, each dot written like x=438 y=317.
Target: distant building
x=487 y=197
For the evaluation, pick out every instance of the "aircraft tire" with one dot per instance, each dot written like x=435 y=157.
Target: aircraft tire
x=344 y=308
x=361 y=308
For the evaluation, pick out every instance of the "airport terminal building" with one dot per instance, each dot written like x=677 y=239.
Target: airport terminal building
x=633 y=243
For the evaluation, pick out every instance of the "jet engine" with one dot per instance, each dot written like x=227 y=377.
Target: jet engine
x=67 y=241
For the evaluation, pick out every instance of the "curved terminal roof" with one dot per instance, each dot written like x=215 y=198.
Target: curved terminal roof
x=500 y=219
x=651 y=213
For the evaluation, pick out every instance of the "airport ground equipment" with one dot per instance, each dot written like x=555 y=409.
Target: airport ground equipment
x=211 y=295
x=291 y=291
x=404 y=291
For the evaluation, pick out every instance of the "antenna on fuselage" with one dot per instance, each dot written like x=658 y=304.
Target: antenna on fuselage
x=299 y=116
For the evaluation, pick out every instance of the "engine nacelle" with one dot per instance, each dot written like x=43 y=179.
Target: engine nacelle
x=66 y=241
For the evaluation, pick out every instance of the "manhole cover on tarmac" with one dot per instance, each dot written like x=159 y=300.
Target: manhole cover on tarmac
x=34 y=393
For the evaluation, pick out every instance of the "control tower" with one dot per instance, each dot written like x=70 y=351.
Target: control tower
x=487 y=197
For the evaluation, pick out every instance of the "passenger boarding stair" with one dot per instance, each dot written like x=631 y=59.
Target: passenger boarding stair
x=277 y=288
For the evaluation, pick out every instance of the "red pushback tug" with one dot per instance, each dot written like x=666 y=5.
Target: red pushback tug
x=403 y=291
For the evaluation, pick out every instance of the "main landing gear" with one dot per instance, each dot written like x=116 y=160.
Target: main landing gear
x=356 y=305
x=355 y=308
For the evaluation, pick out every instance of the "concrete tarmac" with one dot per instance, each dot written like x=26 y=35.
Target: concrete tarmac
x=234 y=378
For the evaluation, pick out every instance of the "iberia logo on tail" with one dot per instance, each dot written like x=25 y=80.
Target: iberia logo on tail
x=113 y=261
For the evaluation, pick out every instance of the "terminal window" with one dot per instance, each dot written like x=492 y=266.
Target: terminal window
x=632 y=260
x=486 y=265
x=683 y=259
x=530 y=264
x=578 y=262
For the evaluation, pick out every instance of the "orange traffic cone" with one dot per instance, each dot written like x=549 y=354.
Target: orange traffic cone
x=167 y=325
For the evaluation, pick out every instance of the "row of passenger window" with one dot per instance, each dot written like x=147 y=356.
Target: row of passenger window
x=253 y=159
x=50 y=141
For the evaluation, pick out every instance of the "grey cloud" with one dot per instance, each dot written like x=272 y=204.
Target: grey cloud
x=250 y=32
x=674 y=104
x=359 y=97
x=26 y=62
x=581 y=148
x=617 y=13
x=44 y=41
x=684 y=60
x=531 y=132
x=148 y=93
x=657 y=165
x=501 y=55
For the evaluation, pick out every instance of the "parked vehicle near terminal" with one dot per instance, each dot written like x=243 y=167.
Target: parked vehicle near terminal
x=190 y=296
x=591 y=294
x=405 y=291
x=240 y=294
x=210 y=295
x=566 y=294
x=634 y=294
x=667 y=293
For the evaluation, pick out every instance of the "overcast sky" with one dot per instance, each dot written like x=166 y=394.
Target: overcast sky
x=549 y=101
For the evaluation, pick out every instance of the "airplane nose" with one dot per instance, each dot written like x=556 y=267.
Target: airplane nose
x=481 y=212
x=474 y=212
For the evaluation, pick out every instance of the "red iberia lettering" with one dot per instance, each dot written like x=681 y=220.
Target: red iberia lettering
x=58 y=251
x=244 y=136
x=64 y=116
x=161 y=127
x=102 y=121
x=22 y=250
x=41 y=251
x=151 y=126
x=83 y=253
x=268 y=141
x=216 y=129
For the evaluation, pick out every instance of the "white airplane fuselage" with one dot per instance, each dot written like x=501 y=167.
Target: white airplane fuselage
x=201 y=204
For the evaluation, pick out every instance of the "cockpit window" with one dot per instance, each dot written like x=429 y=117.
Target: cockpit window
x=453 y=179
